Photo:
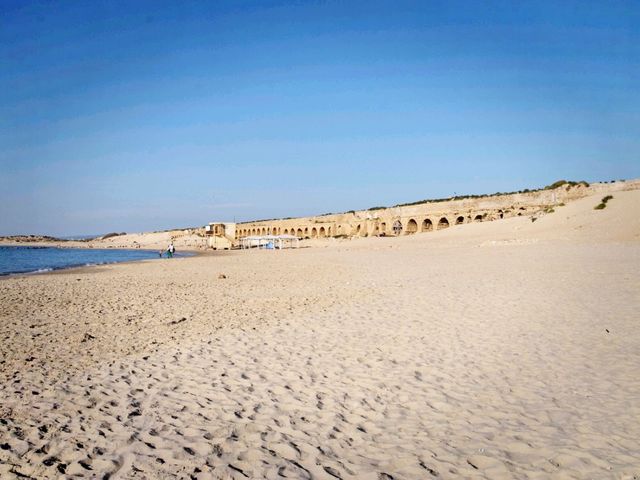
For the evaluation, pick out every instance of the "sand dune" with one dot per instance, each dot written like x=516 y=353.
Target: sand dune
x=495 y=350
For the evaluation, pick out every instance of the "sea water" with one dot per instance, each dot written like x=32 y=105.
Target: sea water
x=45 y=259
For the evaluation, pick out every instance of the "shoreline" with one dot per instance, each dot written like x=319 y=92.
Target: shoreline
x=77 y=267
x=81 y=247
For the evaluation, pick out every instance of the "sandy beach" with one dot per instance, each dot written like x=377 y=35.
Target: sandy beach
x=506 y=349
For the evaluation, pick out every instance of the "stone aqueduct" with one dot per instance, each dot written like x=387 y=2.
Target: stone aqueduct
x=411 y=219
x=429 y=216
x=316 y=227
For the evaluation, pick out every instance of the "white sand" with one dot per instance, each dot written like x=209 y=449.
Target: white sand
x=509 y=349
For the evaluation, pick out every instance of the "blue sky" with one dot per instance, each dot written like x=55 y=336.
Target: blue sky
x=138 y=116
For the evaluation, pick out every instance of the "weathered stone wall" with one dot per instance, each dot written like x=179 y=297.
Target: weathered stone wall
x=426 y=216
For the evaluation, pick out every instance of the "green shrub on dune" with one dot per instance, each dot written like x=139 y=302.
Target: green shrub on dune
x=603 y=203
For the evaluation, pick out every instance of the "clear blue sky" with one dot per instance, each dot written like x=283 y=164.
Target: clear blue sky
x=138 y=116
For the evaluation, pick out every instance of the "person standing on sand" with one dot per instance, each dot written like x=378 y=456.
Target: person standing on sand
x=170 y=250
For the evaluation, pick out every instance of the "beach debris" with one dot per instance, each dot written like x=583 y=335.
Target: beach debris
x=189 y=450
x=87 y=336
x=50 y=461
x=222 y=276
x=175 y=322
x=607 y=330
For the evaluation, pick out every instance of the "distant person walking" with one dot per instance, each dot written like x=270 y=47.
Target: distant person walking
x=171 y=250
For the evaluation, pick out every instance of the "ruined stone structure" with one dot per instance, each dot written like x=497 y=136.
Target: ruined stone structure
x=423 y=217
x=221 y=236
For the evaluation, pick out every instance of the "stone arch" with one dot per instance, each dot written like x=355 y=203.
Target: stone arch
x=383 y=227
x=306 y=231
x=299 y=233
x=477 y=218
x=322 y=232
x=500 y=213
x=329 y=232
x=274 y=231
x=459 y=220
x=412 y=227
x=286 y=231
x=443 y=223
x=358 y=229
x=397 y=227
x=427 y=225
x=314 y=232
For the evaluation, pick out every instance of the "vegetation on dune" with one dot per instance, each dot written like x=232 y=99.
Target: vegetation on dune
x=603 y=203
x=559 y=183
x=568 y=183
x=111 y=235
